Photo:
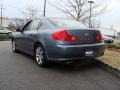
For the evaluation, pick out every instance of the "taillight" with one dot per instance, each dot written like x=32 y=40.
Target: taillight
x=99 y=37
x=63 y=36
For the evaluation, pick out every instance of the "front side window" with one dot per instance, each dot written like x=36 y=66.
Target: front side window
x=34 y=25
x=27 y=26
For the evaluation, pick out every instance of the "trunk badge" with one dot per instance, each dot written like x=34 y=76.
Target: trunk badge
x=86 y=34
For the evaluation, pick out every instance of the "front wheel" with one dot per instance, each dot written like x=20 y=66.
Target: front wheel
x=40 y=56
x=14 y=46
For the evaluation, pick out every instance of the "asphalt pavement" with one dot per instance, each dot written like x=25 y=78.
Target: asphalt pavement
x=19 y=71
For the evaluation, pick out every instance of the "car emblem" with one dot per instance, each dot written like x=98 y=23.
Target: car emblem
x=86 y=34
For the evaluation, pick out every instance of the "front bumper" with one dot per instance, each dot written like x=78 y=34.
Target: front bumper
x=75 y=52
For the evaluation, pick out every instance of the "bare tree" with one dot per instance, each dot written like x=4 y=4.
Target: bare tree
x=31 y=13
x=95 y=24
x=16 y=24
x=79 y=9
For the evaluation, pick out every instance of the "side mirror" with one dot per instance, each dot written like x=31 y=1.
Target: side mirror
x=18 y=30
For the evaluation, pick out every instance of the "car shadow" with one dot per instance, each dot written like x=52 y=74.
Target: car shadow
x=81 y=65
x=72 y=67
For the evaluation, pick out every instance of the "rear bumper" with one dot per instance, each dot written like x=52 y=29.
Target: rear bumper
x=75 y=52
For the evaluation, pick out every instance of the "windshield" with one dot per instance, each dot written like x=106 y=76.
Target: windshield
x=72 y=24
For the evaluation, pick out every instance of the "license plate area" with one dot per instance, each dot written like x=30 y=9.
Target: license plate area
x=89 y=52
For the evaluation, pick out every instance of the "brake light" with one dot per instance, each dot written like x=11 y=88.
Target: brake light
x=63 y=36
x=99 y=37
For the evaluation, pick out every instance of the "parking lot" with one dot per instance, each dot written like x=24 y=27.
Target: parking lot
x=20 y=72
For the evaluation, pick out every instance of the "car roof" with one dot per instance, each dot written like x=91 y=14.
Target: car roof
x=53 y=18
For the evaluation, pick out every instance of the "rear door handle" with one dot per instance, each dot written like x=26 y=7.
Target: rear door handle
x=30 y=35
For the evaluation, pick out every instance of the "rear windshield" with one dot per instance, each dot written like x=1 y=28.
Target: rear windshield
x=72 y=24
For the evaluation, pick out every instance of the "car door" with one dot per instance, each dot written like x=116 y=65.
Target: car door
x=20 y=40
x=30 y=36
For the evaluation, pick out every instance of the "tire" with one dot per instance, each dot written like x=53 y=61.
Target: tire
x=40 y=56
x=14 y=46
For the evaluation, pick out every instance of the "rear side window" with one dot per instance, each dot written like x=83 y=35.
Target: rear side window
x=47 y=25
x=72 y=24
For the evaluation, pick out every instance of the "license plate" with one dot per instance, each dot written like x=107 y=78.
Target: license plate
x=89 y=52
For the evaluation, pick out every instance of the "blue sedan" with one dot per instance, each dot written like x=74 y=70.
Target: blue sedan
x=54 y=39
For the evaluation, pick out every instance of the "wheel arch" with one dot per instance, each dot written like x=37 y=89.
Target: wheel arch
x=39 y=43
x=35 y=45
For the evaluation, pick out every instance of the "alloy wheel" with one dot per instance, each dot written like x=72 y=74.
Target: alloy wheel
x=39 y=55
x=13 y=46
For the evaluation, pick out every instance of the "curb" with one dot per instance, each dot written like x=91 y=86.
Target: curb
x=108 y=68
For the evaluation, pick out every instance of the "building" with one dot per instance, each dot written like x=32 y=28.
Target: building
x=5 y=22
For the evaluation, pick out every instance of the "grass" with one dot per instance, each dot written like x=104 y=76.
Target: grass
x=111 y=58
x=4 y=37
x=114 y=45
x=118 y=43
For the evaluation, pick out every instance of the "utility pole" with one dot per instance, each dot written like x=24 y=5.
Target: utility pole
x=114 y=31
x=44 y=11
x=90 y=2
x=1 y=14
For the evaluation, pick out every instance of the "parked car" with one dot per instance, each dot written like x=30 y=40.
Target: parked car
x=108 y=39
x=5 y=31
x=49 y=39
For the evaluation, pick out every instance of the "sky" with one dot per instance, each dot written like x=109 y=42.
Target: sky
x=14 y=8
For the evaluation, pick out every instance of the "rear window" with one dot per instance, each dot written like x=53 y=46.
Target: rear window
x=72 y=24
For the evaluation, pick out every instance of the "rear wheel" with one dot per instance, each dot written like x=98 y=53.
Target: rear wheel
x=40 y=56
